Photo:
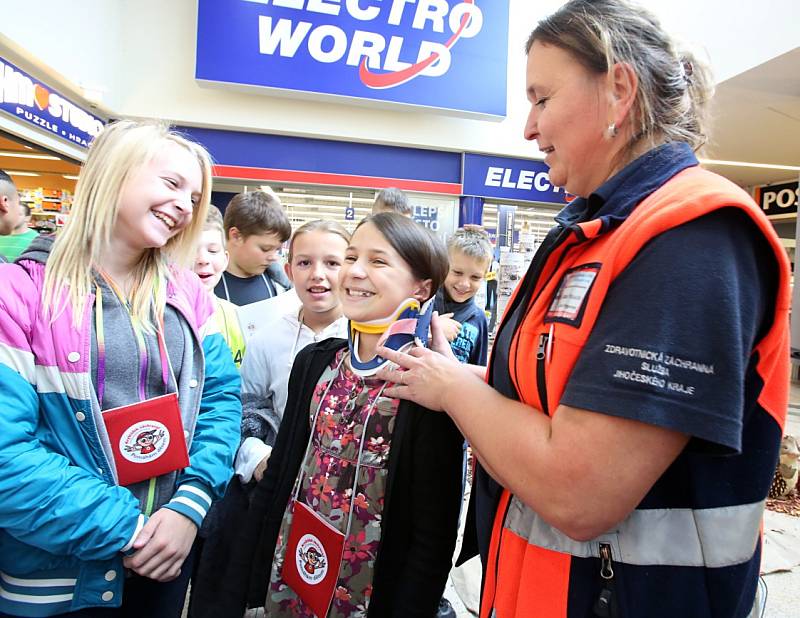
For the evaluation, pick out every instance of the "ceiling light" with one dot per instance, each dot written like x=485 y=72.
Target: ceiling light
x=21 y=173
x=769 y=166
x=25 y=155
x=69 y=177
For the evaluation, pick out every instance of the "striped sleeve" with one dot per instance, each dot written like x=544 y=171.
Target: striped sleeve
x=191 y=500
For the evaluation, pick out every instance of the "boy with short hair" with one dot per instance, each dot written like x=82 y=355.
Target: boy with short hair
x=255 y=226
x=210 y=262
x=470 y=254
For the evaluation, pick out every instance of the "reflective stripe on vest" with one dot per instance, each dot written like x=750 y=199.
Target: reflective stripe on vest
x=717 y=537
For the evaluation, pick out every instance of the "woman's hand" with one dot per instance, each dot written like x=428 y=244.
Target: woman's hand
x=425 y=376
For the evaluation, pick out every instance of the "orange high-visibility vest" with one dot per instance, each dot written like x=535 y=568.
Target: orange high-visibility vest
x=529 y=576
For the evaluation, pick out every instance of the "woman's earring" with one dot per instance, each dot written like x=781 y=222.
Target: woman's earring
x=612 y=130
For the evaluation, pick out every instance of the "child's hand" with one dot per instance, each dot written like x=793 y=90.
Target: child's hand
x=162 y=546
x=449 y=326
x=439 y=342
x=258 y=473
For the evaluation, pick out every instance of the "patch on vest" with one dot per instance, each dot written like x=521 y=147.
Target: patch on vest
x=570 y=299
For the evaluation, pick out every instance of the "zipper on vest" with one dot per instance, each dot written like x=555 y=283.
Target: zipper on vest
x=606 y=605
x=541 y=362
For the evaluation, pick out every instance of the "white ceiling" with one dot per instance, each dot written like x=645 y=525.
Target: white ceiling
x=756 y=118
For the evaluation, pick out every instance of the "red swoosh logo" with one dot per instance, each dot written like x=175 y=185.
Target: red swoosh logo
x=388 y=80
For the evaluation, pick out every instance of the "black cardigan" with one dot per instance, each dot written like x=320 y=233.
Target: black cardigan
x=420 y=514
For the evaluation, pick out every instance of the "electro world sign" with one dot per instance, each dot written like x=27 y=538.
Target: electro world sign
x=449 y=55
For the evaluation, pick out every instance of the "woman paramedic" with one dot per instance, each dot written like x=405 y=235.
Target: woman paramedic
x=639 y=379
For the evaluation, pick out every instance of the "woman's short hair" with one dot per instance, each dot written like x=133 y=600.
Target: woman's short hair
x=674 y=87
x=319 y=225
x=421 y=249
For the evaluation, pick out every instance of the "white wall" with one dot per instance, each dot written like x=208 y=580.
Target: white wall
x=141 y=53
x=78 y=39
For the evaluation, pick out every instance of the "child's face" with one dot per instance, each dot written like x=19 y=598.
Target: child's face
x=211 y=259
x=157 y=200
x=465 y=276
x=254 y=253
x=317 y=257
x=374 y=279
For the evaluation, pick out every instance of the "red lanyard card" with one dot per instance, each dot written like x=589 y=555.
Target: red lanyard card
x=313 y=556
x=147 y=438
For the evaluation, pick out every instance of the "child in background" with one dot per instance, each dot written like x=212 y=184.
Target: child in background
x=256 y=226
x=470 y=255
x=210 y=261
x=316 y=254
x=384 y=474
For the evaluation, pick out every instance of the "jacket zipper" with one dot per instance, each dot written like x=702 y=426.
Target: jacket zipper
x=606 y=605
x=541 y=378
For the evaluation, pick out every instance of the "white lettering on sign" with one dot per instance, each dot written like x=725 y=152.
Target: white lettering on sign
x=431 y=10
x=785 y=198
x=327 y=36
x=367 y=14
x=15 y=87
x=525 y=180
x=328 y=43
x=427 y=216
x=32 y=99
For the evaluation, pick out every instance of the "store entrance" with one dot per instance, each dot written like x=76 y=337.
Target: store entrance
x=45 y=180
x=347 y=206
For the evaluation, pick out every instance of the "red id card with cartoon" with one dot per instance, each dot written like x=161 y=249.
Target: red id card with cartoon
x=313 y=555
x=147 y=438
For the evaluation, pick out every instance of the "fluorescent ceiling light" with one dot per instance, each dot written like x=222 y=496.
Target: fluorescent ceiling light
x=768 y=166
x=21 y=173
x=69 y=177
x=334 y=198
x=25 y=155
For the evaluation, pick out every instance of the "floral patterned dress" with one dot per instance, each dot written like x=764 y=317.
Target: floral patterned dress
x=328 y=480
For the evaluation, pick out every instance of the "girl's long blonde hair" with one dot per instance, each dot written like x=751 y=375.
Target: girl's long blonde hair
x=121 y=149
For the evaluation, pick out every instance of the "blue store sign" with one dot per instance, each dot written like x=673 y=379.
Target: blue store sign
x=38 y=104
x=510 y=179
x=444 y=54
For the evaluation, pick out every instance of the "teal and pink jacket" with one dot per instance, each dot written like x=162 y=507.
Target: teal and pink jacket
x=65 y=523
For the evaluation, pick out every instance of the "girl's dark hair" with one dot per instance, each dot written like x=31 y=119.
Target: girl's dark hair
x=422 y=250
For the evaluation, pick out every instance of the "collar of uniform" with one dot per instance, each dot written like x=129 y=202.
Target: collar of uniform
x=616 y=198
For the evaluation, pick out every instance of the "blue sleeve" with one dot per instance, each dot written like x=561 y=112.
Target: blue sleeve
x=216 y=434
x=46 y=501
x=480 y=351
x=672 y=343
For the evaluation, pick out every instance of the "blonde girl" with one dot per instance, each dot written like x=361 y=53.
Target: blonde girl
x=103 y=339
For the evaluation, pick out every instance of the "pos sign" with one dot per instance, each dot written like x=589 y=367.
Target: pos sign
x=441 y=54
x=778 y=199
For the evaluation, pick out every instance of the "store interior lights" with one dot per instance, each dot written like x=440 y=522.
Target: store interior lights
x=25 y=155
x=768 y=166
x=12 y=173
x=69 y=177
